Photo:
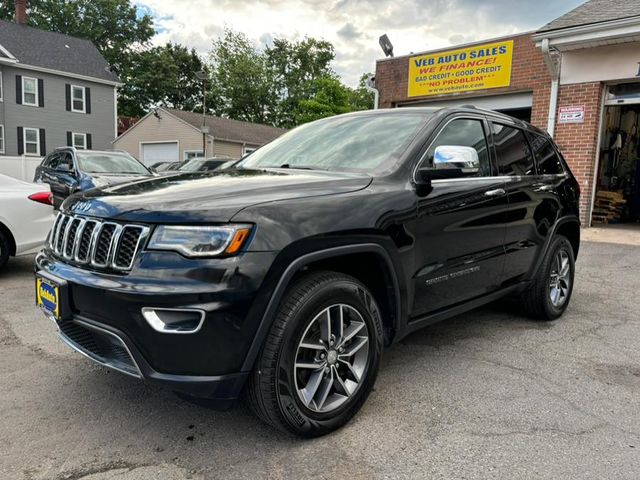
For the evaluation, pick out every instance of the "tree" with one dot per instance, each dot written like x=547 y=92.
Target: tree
x=296 y=67
x=242 y=85
x=328 y=97
x=164 y=75
x=360 y=98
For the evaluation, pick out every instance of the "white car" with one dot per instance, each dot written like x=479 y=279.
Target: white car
x=26 y=216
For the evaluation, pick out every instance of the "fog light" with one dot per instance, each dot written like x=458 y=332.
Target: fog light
x=174 y=320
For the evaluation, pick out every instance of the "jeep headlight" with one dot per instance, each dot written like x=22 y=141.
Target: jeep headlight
x=203 y=241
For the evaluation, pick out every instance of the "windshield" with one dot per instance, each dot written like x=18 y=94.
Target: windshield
x=358 y=143
x=192 y=165
x=109 y=162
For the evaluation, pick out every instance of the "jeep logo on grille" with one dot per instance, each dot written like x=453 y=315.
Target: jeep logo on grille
x=81 y=207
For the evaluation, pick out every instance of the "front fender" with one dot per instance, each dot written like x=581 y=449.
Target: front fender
x=283 y=278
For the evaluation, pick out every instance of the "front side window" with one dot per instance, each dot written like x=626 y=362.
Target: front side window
x=80 y=141
x=32 y=141
x=349 y=143
x=548 y=160
x=65 y=162
x=77 y=99
x=512 y=151
x=462 y=132
x=52 y=161
x=29 y=91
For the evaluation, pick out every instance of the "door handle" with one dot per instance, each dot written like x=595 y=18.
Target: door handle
x=544 y=188
x=498 y=192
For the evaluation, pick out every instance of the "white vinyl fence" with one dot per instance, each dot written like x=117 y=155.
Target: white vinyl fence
x=22 y=168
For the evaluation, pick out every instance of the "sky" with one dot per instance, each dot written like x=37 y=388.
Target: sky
x=353 y=26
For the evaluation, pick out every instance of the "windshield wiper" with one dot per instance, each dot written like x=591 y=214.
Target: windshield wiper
x=298 y=167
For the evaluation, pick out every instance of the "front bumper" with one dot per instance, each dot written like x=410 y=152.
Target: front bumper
x=106 y=324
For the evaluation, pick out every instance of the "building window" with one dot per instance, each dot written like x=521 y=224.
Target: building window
x=189 y=154
x=32 y=141
x=78 y=101
x=1 y=138
x=248 y=150
x=80 y=141
x=30 y=91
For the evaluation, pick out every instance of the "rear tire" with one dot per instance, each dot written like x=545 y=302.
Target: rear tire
x=550 y=291
x=321 y=356
x=5 y=249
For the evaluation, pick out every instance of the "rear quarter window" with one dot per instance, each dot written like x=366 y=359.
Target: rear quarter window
x=549 y=162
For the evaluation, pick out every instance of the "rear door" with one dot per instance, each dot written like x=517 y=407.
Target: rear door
x=533 y=204
x=460 y=228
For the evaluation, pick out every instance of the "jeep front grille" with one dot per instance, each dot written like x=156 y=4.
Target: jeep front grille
x=98 y=243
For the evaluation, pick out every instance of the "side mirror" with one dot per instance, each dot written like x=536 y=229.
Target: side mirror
x=456 y=157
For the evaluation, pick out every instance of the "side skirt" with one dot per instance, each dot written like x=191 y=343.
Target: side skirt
x=423 y=321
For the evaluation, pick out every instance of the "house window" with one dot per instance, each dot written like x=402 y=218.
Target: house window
x=80 y=140
x=30 y=91
x=32 y=141
x=248 y=150
x=1 y=138
x=78 y=101
x=189 y=154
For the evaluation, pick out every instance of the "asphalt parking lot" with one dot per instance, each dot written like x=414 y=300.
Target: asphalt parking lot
x=489 y=394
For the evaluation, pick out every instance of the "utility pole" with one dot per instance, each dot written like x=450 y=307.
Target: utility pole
x=202 y=76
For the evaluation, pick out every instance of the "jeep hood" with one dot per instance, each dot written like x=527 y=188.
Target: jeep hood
x=208 y=196
x=104 y=180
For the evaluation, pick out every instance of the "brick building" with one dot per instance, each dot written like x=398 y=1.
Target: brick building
x=578 y=77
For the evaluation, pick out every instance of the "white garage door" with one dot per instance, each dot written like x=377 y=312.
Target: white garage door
x=159 y=152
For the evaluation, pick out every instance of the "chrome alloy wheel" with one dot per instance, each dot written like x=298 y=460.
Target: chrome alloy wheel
x=331 y=358
x=560 y=279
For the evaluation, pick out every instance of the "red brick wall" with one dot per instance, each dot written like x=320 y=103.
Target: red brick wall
x=528 y=73
x=578 y=141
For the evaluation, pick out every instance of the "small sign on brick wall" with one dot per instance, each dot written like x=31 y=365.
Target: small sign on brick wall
x=572 y=114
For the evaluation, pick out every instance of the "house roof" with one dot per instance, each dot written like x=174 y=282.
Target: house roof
x=595 y=11
x=55 y=51
x=233 y=130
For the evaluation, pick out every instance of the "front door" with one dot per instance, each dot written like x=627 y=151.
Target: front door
x=460 y=225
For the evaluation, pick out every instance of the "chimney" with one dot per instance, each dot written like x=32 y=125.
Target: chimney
x=21 y=11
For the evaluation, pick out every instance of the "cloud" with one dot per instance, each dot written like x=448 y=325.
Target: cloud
x=353 y=26
x=349 y=32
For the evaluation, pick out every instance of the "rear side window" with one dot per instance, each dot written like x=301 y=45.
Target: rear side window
x=463 y=132
x=513 y=154
x=549 y=162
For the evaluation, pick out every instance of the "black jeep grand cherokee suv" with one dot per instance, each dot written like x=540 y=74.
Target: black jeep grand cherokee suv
x=284 y=276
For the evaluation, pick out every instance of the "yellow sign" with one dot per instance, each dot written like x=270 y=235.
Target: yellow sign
x=462 y=70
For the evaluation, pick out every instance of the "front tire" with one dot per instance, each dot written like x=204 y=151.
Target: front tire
x=550 y=291
x=321 y=356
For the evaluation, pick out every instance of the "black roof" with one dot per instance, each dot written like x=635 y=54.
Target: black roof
x=41 y=48
x=595 y=11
